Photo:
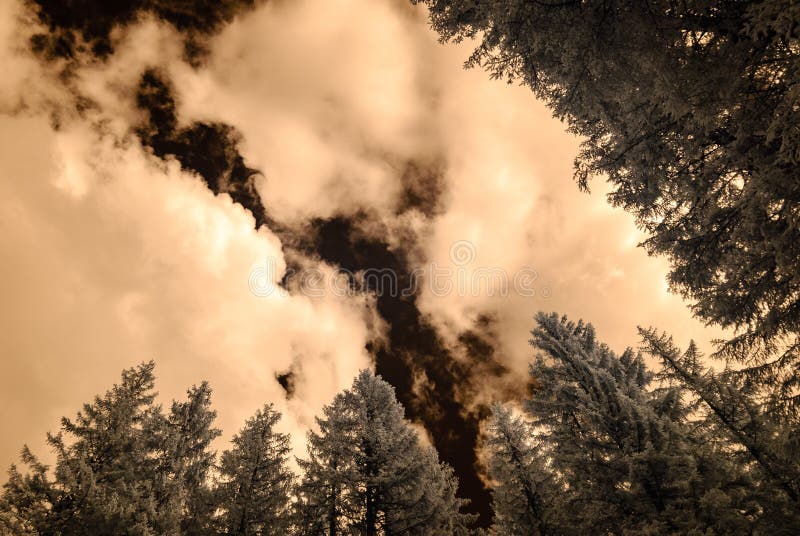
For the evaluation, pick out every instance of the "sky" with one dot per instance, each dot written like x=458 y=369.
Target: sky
x=366 y=145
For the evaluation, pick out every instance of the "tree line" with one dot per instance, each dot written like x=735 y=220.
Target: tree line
x=124 y=466
x=603 y=445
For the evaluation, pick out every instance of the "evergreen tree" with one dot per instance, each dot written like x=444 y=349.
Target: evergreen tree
x=759 y=433
x=255 y=487
x=520 y=477
x=690 y=109
x=122 y=467
x=367 y=473
x=186 y=461
x=103 y=476
x=623 y=456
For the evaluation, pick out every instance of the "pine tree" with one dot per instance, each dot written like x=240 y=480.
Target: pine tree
x=122 y=467
x=186 y=460
x=254 y=492
x=690 y=110
x=759 y=433
x=623 y=456
x=521 y=480
x=368 y=474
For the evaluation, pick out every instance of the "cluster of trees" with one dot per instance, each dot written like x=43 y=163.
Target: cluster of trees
x=602 y=446
x=126 y=467
x=690 y=110
x=605 y=446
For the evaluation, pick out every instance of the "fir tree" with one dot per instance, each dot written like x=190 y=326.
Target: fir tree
x=521 y=480
x=760 y=434
x=623 y=455
x=122 y=467
x=255 y=487
x=104 y=475
x=187 y=461
x=368 y=474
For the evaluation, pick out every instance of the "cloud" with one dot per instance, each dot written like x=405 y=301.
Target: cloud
x=116 y=258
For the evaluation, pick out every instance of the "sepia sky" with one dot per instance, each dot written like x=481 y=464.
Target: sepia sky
x=112 y=256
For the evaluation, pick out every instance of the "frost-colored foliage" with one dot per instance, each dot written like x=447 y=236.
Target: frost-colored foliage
x=367 y=473
x=254 y=492
x=690 y=110
x=522 y=484
x=123 y=467
x=604 y=450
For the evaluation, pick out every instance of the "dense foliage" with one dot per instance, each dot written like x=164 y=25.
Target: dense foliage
x=691 y=110
x=605 y=447
x=368 y=474
x=125 y=467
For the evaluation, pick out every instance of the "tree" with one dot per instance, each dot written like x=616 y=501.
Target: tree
x=621 y=456
x=254 y=492
x=187 y=461
x=122 y=467
x=759 y=437
x=521 y=479
x=368 y=474
x=690 y=109
x=103 y=477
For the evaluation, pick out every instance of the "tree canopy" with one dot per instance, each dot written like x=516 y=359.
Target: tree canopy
x=690 y=110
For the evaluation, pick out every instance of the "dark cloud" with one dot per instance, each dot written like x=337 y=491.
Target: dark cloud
x=413 y=348
x=84 y=27
x=441 y=383
x=208 y=149
x=286 y=381
x=436 y=384
x=423 y=187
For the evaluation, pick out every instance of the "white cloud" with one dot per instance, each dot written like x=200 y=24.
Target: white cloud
x=146 y=263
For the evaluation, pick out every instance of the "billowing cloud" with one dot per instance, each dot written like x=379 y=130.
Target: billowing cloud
x=113 y=257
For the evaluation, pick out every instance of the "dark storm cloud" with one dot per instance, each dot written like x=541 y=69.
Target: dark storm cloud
x=208 y=149
x=437 y=384
x=286 y=381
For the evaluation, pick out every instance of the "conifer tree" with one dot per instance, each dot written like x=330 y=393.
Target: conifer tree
x=254 y=492
x=624 y=455
x=690 y=110
x=521 y=480
x=761 y=433
x=122 y=467
x=368 y=474
x=187 y=461
x=103 y=476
